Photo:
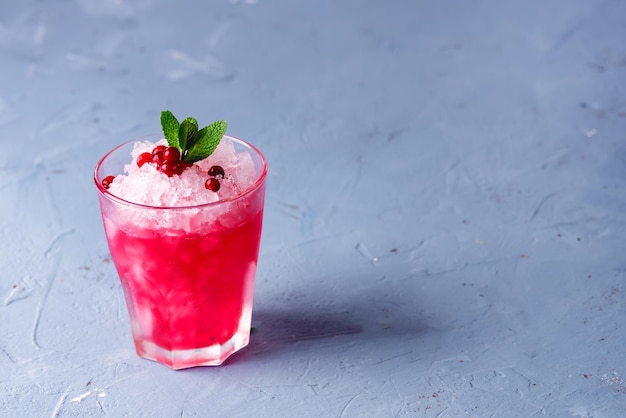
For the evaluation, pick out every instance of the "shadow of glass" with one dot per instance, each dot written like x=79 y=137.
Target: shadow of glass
x=277 y=330
x=289 y=326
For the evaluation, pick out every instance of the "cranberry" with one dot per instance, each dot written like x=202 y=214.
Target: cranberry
x=166 y=159
x=168 y=168
x=172 y=167
x=216 y=171
x=159 y=148
x=171 y=154
x=146 y=157
x=212 y=184
x=157 y=154
x=157 y=157
x=106 y=182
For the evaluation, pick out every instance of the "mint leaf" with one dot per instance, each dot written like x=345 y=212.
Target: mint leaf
x=193 y=144
x=170 y=126
x=208 y=138
x=187 y=133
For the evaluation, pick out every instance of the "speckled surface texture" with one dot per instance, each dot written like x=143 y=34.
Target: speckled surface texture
x=445 y=212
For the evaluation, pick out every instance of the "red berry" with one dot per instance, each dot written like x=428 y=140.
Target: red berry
x=171 y=167
x=159 y=148
x=167 y=160
x=168 y=168
x=146 y=157
x=216 y=171
x=212 y=184
x=171 y=154
x=178 y=168
x=106 y=182
x=157 y=157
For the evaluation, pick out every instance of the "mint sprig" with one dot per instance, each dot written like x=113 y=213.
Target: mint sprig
x=193 y=144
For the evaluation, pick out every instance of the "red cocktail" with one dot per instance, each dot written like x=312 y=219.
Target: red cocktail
x=187 y=272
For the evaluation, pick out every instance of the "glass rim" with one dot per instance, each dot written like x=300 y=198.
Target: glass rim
x=250 y=189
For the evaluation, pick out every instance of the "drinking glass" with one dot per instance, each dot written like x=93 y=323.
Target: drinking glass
x=187 y=273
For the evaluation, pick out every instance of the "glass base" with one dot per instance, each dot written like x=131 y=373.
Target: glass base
x=213 y=355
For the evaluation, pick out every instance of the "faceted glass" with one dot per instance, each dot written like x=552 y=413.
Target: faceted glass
x=187 y=273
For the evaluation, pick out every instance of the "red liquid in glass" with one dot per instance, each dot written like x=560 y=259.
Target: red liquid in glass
x=189 y=295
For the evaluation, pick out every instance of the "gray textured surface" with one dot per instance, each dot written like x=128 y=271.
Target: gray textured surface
x=445 y=216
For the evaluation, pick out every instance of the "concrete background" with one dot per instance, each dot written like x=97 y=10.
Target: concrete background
x=445 y=215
